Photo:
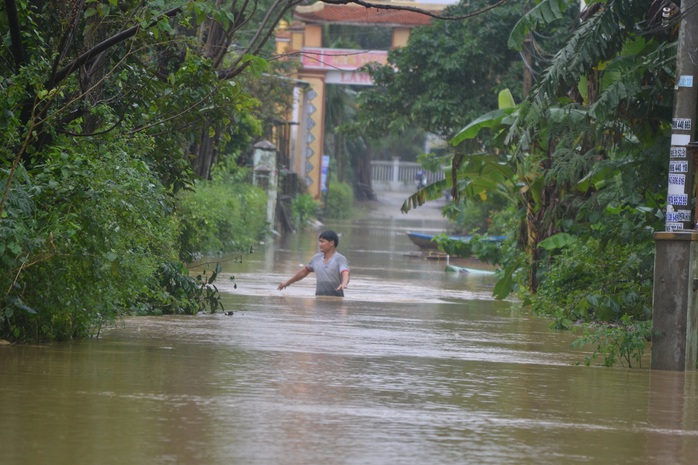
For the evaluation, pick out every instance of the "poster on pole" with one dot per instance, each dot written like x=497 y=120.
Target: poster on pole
x=323 y=172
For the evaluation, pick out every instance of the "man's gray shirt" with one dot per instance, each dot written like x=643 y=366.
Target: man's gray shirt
x=329 y=276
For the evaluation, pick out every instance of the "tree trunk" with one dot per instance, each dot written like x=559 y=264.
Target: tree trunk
x=203 y=155
x=363 y=184
x=205 y=152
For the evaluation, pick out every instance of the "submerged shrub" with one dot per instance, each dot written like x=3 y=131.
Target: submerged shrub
x=222 y=215
x=174 y=291
x=623 y=342
x=99 y=229
x=598 y=281
x=304 y=208
x=339 y=200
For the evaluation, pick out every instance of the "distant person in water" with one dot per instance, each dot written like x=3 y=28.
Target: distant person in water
x=330 y=267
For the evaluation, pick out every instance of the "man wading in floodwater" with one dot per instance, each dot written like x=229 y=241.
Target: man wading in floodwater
x=330 y=266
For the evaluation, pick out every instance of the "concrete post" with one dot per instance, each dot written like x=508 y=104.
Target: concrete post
x=395 y=183
x=266 y=173
x=674 y=344
x=675 y=302
x=683 y=124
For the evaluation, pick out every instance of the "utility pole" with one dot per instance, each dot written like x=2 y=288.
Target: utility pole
x=675 y=300
x=681 y=163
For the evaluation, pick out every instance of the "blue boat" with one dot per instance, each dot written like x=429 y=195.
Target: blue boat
x=426 y=241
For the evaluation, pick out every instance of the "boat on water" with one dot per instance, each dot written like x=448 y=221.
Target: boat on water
x=426 y=241
x=461 y=269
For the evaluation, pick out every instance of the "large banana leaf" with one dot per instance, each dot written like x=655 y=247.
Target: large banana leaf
x=432 y=191
x=492 y=119
x=545 y=12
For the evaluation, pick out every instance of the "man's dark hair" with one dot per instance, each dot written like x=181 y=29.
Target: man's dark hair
x=330 y=236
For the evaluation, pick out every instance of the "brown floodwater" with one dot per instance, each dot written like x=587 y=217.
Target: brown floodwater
x=414 y=366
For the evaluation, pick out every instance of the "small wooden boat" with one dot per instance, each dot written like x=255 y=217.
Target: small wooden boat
x=426 y=241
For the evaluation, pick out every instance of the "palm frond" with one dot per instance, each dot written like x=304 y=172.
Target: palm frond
x=431 y=192
x=545 y=12
x=627 y=83
x=596 y=40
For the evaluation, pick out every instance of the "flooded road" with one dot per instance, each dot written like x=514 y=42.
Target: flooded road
x=414 y=366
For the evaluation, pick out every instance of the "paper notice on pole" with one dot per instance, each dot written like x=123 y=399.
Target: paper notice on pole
x=678 y=166
x=680 y=139
x=677 y=199
x=677 y=183
x=678 y=217
x=677 y=152
x=686 y=81
x=681 y=124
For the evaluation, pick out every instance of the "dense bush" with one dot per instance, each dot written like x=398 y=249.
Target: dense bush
x=304 y=208
x=597 y=281
x=601 y=282
x=100 y=233
x=339 y=200
x=104 y=241
x=222 y=215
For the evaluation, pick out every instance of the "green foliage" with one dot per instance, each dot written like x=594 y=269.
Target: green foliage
x=623 y=342
x=339 y=200
x=584 y=54
x=599 y=281
x=175 y=292
x=546 y=11
x=304 y=208
x=558 y=241
x=222 y=215
x=17 y=246
x=94 y=152
x=480 y=246
x=449 y=73
x=99 y=235
x=476 y=216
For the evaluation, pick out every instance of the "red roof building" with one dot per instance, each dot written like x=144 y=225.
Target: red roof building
x=302 y=40
x=356 y=15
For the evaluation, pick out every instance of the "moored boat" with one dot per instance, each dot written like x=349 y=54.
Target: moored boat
x=426 y=241
x=461 y=269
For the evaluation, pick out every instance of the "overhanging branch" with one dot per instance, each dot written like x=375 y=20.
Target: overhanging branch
x=66 y=71
x=432 y=14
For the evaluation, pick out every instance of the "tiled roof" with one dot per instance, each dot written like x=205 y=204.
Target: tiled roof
x=359 y=15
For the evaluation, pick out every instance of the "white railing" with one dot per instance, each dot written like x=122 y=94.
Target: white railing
x=398 y=175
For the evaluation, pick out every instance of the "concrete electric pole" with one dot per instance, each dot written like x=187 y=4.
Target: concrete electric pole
x=675 y=300
x=681 y=173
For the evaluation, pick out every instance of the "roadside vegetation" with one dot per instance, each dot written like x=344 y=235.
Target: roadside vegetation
x=124 y=131
x=127 y=125
x=572 y=168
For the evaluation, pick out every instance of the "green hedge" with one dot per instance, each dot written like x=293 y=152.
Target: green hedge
x=88 y=229
x=339 y=200
x=219 y=216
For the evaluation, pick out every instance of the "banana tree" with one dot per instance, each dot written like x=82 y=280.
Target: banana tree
x=521 y=176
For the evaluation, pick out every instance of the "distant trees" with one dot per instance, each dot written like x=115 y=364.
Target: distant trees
x=448 y=74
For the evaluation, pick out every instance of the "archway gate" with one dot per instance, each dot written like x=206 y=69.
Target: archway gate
x=321 y=66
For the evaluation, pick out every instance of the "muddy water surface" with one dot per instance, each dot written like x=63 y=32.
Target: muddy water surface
x=414 y=366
